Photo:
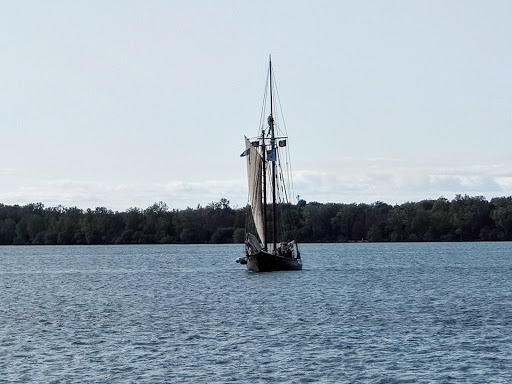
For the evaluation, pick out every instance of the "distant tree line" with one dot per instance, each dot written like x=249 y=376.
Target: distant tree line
x=464 y=218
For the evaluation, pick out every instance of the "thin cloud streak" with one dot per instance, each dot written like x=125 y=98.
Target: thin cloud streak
x=388 y=180
x=396 y=182
x=7 y=171
x=85 y=194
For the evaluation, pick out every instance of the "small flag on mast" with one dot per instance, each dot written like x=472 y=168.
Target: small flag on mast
x=246 y=152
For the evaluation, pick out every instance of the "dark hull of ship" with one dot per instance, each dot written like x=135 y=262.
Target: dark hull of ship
x=267 y=262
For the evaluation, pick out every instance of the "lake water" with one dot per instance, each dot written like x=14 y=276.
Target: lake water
x=369 y=313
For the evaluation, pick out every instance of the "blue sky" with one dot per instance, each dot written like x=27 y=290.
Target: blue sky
x=125 y=103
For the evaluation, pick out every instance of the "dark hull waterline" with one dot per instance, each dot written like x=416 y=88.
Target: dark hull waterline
x=267 y=262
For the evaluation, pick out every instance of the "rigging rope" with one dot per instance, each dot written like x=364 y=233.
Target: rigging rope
x=284 y=133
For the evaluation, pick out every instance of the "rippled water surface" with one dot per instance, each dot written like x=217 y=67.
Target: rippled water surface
x=372 y=313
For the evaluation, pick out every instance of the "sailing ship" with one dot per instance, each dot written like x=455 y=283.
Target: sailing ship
x=267 y=243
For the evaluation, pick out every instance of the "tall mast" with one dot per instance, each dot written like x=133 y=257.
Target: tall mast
x=264 y=175
x=272 y=149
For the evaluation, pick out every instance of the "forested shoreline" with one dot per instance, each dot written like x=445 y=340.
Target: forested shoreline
x=464 y=218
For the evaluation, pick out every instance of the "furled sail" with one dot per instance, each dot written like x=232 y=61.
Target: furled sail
x=254 y=175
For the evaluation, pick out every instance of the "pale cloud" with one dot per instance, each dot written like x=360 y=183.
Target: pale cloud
x=389 y=180
x=87 y=194
x=505 y=182
x=394 y=181
x=7 y=171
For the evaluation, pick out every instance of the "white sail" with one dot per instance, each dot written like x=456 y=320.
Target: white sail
x=254 y=175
